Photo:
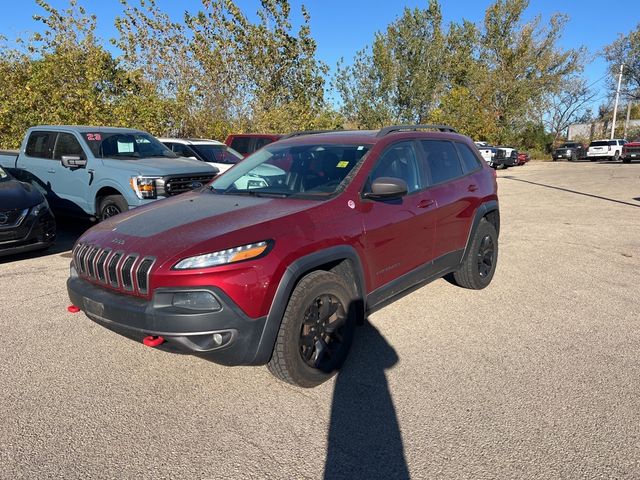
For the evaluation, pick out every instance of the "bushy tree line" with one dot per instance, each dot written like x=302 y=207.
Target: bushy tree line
x=215 y=71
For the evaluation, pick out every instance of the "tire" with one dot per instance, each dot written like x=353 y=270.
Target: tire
x=626 y=160
x=573 y=157
x=479 y=265
x=110 y=206
x=616 y=156
x=308 y=350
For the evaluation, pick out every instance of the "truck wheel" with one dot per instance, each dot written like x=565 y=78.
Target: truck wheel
x=478 y=267
x=616 y=156
x=574 y=157
x=316 y=331
x=111 y=205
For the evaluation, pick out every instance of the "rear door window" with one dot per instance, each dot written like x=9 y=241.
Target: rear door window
x=470 y=162
x=67 y=144
x=241 y=144
x=261 y=142
x=442 y=160
x=40 y=144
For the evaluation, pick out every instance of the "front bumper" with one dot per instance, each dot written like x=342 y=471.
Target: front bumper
x=187 y=330
x=32 y=234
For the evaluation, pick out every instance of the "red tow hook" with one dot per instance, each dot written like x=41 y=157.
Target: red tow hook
x=153 y=341
x=73 y=309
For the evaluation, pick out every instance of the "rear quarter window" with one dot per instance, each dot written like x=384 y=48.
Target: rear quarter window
x=241 y=144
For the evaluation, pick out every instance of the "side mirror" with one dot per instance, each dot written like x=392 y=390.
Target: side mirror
x=386 y=188
x=73 y=161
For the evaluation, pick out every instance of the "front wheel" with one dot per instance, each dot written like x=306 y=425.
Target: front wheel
x=479 y=265
x=316 y=331
x=111 y=205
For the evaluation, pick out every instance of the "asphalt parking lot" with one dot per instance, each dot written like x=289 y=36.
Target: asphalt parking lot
x=537 y=376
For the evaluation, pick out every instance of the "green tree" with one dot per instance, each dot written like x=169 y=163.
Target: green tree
x=626 y=50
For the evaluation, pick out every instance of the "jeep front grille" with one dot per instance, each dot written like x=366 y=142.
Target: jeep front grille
x=119 y=270
x=177 y=185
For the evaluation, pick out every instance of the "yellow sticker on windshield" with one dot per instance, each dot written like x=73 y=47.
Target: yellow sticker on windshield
x=342 y=164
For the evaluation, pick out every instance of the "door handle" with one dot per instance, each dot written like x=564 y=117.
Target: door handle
x=51 y=171
x=425 y=203
x=472 y=188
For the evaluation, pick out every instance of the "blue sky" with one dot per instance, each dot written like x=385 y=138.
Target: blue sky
x=342 y=27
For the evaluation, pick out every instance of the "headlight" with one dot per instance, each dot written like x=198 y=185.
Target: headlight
x=35 y=211
x=223 y=257
x=147 y=187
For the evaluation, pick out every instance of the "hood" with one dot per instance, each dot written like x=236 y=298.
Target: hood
x=160 y=166
x=167 y=227
x=18 y=195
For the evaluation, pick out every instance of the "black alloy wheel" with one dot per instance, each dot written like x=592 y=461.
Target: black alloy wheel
x=321 y=337
x=485 y=256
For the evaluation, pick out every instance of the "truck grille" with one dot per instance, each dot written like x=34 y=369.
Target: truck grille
x=177 y=185
x=123 y=271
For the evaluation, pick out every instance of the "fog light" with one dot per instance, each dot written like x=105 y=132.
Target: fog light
x=200 y=301
x=217 y=339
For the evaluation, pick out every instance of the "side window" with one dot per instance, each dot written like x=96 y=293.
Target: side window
x=67 y=144
x=442 y=160
x=241 y=144
x=469 y=161
x=399 y=161
x=40 y=144
x=261 y=142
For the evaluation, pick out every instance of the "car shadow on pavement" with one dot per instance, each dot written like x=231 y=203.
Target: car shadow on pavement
x=68 y=230
x=364 y=438
x=599 y=197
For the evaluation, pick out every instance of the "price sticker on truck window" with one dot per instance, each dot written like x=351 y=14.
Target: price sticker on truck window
x=94 y=137
x=342 y=164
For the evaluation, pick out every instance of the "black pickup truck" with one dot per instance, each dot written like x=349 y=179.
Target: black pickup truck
x=572 y=151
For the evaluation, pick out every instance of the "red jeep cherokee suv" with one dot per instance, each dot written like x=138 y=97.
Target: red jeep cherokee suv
x=278 y=259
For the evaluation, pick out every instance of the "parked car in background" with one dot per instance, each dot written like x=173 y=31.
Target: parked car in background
x=215 y=153
x=523 y=158
x=247 y=143
x=507 y=156
x=281 y=271
x=26 y=223
x=572 y=151
x=101 y=171
x=605 y=149
x=631 y=151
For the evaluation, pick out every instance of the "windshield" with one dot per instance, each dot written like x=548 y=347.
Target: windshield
x=127 y=146
x=3 y=175
x=217 y=153
x=299 y=170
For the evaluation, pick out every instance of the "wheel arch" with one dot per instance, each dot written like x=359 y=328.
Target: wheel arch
x=488 y=210
x=103 y=192
x=342 y=260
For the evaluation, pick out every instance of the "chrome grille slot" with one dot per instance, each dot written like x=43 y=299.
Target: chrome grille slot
x=91 y=256
x=80 y=257
x=112 y=269
x=177 y=185
x=127 y=272
x=101 y=267
x=142 y=275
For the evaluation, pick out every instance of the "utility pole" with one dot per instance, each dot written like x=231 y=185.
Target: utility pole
x=626 y=122
x=615 y=106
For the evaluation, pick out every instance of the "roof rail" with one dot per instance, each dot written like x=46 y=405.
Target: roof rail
x=308 y=132
x=413 y=128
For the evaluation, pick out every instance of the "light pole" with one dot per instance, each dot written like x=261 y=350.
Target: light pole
x=615 y=105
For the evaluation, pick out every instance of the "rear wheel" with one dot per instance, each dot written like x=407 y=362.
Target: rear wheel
x=479 y=265
x=626 y=160
x=616 y=156
x=316 y=331
x=111 y=205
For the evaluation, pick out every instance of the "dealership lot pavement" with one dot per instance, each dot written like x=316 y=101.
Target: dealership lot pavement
x=538 y=376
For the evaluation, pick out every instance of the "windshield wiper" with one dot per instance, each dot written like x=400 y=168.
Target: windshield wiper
x=257 y=193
